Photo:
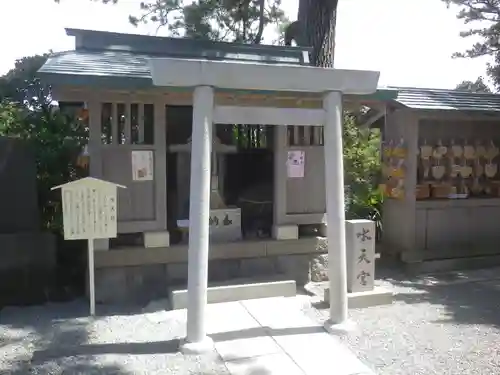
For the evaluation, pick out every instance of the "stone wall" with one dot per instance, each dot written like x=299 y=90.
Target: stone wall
x=27 y=268
x=27 y=255
x=18 y=193
x=141 y=284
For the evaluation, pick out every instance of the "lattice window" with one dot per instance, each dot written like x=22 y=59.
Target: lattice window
x=127 y=123
x=305 y=136
x=246 y=136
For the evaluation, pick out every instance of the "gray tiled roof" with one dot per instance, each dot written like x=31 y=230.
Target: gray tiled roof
x=117 y=69
x=438 y=99
x=112 y=69
x=122 y=59
x=98 y=63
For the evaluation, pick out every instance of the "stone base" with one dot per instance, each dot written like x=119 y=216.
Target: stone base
x=377 y=296
x=141 y=284
x=238 y=291
x=286 y=232
x=156 y=239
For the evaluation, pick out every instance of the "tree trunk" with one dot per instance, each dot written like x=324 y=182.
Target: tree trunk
x=318 y=19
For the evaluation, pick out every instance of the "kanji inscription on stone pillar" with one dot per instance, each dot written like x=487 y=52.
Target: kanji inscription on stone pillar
x=360 y=243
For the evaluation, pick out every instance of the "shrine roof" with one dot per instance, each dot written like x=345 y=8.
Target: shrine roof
x=442 y=99
x=115 y=59
x=121 y=61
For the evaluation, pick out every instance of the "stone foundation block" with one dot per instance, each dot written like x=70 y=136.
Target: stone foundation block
x=223 y=269
x=296 y=267
x=156 y=239
x=130 y=285
x=142 y=283
x=252 y=267
x=110 y=285
x=177 y=273
x=286 y=232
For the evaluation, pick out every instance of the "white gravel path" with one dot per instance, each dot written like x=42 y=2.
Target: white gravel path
x=55 y=339
x=448 y=324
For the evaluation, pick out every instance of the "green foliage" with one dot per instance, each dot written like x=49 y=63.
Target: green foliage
x=27 y=112
x=13 y=84
x=486 y=15
x=56 y=140
x=226 y=20
x=479 y=86
x=362 y=170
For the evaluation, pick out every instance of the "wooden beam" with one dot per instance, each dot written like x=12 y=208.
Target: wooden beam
x=268 y=116
x=371 y=118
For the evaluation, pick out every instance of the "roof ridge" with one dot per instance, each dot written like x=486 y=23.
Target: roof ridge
x=249 y=46
x=454 y=91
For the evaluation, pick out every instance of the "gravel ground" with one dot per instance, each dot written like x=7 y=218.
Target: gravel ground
x=58 y=339
x=448 y=324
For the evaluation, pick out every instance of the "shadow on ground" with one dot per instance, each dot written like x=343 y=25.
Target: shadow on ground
x=60 y=339
x=45 y=328
x=79 y=350
x=477 y=302
x=468 y=297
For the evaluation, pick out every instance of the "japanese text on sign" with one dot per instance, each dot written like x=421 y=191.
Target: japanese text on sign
x=89 y=212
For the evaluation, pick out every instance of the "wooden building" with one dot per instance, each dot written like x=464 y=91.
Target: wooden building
x=443 y=213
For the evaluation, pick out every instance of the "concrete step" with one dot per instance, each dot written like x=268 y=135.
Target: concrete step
x=238 y=290
x=359 y=300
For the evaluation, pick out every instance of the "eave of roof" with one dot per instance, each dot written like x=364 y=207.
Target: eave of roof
x=125 y=71
x=446 y=100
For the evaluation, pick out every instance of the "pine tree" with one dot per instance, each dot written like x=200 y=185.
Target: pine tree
x=485 y=16
x=317 y=20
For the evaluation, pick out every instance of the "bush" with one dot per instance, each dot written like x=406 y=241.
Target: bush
x=57 y=140
x=362 y=168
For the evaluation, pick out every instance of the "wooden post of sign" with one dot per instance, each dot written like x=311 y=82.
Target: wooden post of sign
x=91 y=276
x=89 y=212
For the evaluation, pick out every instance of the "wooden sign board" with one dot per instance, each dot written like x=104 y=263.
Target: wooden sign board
x=89 y=209
x=89 y=212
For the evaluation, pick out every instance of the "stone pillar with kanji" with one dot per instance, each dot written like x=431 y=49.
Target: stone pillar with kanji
x=360 y=241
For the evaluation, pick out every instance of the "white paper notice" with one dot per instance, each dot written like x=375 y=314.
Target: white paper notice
x=142 y=165
x=295 y=164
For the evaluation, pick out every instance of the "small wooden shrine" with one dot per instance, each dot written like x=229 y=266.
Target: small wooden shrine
x=146 y=96
x=440 y=166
